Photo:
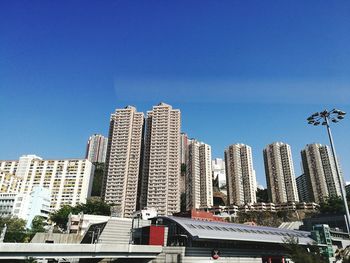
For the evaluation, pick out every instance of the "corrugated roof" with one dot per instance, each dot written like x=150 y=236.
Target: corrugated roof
x=229 y=231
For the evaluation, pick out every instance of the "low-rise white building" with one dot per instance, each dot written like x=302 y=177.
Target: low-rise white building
x=79 y=224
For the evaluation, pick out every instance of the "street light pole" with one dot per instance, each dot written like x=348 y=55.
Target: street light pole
x=335 y=116
x=341 y=180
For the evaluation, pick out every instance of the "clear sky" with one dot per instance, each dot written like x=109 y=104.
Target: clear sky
x=240 y=71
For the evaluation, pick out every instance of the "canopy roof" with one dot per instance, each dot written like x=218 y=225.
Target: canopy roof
x=198 y=229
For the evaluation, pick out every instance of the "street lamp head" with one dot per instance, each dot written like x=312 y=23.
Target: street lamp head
x=323 y=117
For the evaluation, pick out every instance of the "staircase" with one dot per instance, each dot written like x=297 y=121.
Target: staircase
x=117 y=230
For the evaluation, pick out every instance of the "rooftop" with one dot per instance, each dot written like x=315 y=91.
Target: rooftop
x=230 y=231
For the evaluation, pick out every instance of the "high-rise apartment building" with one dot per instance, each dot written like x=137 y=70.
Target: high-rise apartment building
x=69 y=181
x=123 y=163
x=161 y=166
x=304 y=190
x=279 y=172
x=320 y=172
x=240 y=174
x=184 y=141
x=96 y=148
x=199 y=188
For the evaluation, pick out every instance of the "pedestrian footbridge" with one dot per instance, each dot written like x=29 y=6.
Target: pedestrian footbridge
x=46 y=250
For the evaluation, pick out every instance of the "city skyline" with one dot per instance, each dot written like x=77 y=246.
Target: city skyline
x=240 y=72
x=260 y=175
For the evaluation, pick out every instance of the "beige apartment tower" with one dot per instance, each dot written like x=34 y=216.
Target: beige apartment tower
x=161 y=166
x=123 y=160
x=279 y=172
x=199 y=188
x=96 y=148
x=240 y=175
x=320 y=172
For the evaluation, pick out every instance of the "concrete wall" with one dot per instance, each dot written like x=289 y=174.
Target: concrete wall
x=200 y=255
x=56 y=238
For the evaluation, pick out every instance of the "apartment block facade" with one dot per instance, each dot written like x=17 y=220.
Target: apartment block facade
x=121 y=179
x=199 y=188
x=304 y=188
x=96 y=148
x=161 y=165
x=279 y=170
x=320 y=172
x=69 y=181
x=240 y=175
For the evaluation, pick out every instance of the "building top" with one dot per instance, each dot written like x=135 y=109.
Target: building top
x=230 y=231
x=35 y=157
x=163 y=104
x=129 y=107
x=277 y=143
x=238 y=144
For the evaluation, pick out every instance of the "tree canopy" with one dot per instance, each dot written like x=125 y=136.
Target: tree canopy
x=332 y=205
x=93 y=206
x=16 y=229
x=302 y=254
x=262 y=196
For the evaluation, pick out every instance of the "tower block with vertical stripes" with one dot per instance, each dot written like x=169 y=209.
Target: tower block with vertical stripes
x=123 y=161
x=161 y=165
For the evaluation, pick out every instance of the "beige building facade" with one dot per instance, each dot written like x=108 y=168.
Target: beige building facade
x=240 y=175
x=161 y=165
x=320 y=172
x=280 y=176
x=96 y=148
x=199 y=188
x=123 y=161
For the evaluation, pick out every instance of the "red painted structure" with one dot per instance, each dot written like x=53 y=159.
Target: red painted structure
x=273 y=259
x=200 y=215
x=153 y=235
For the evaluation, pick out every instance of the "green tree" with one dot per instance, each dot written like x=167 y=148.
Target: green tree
x=262 y=196
x=93 y=206
x=332 y=205
x=60 y=217
x=38 y=224
x=16 y=229
x=98 y=178
x=303 y=254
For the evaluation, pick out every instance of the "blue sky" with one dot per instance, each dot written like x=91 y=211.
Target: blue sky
x=240 y=71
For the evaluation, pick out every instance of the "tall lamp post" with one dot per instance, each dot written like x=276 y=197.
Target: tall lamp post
x=324 y=118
